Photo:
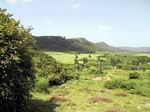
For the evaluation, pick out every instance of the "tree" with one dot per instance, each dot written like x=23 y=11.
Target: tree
x=100 y=63
x=90 y=56
x=76 y=63
x=85 y=61
x=16 y=72
x=115 y=61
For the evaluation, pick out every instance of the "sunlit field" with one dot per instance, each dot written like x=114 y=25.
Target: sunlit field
x=89 y=94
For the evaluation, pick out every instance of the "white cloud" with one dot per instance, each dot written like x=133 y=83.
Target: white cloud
x=71 y=3
x=74 y=3
x=11 y=1
x=16 y=1
x=26 y=0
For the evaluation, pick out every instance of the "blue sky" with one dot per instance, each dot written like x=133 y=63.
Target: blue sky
x=116 y=22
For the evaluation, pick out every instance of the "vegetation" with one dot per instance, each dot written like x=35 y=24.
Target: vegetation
x=69 y=80
x=61 y=44
x=134 y=75
x=114 y=84
x=49 y=72
x=16 y=71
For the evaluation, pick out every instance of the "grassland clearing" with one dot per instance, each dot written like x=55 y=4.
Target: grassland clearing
x=89 y=94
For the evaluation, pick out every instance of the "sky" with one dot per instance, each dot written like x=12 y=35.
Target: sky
x=116 y=22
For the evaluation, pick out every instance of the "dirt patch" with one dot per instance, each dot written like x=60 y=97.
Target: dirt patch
x=105 y=91
x=102 y=91
x=124 y=94
x=101 y=100
x=102 y=78
x=59 y=98
x=113 y=110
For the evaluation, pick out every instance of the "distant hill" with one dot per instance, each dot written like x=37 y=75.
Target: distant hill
x=107 y=47
x=53 y=43
x=83 y=45
x=59 y=43
x=137 y=49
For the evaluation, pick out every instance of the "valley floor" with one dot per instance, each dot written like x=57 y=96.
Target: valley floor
x=87 y=95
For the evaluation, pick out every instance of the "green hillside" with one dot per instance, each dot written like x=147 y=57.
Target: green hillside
x=59 y=43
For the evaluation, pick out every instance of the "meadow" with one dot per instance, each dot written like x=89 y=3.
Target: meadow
x=110 y=91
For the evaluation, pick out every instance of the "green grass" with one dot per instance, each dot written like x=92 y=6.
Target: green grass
x=68 y=58
x=79 y=93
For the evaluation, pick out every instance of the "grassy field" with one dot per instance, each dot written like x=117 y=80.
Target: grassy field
x=68 y=58
x=90 y=95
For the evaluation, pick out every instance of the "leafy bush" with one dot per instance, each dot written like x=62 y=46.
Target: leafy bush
x=118 y=83
x=47 y=67
x=41 y=85
x=16 y=72
x=134 y=75
x=64 y=75
x=141 y=91
x=113 y=84
x=128 y=85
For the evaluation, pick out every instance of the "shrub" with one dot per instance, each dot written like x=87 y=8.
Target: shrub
x=142 y=91
x=113 y=84
x=128 y=85
x=63 y=76
x=41 y=85
x=47 y=67
x=118 y=83
x=16 y=72
x=134 y=75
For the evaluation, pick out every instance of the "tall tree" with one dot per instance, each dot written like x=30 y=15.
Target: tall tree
x=100 y=63
x=16 y=72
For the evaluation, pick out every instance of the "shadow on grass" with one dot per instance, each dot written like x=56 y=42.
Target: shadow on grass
x=43 y=106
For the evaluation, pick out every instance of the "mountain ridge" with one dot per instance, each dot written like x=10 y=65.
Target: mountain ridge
x=80 y=44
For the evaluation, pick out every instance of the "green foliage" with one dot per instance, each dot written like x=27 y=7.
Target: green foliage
x=115 y=61
x=16 y=72
x=90 y=56
x=119 y=83
x=143 y=91
x=58 y=43
x=41 y=85
x=134 y=75
x=47 y=67
x=113 y=84
x=62 y=76
x=128 y=85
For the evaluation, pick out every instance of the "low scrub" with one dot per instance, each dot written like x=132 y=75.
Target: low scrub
x=41 y=85
x=113 y=84
x=118 y=83
x=134 y=75
x=53 y=72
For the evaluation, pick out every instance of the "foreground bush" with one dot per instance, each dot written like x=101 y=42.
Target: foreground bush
x=16 y=73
